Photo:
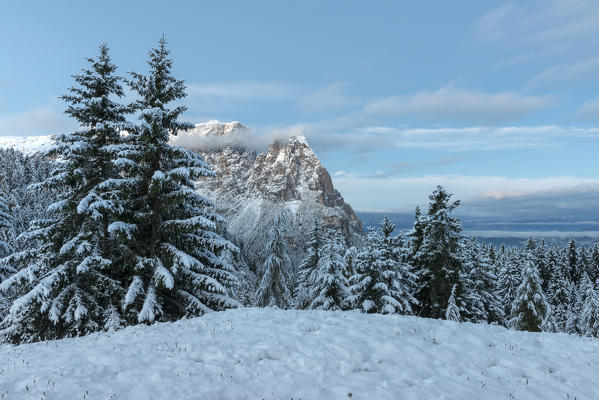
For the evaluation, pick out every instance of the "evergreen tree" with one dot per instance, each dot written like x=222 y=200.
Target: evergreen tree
x=6 y=228
x=273 y=290
x=540 y=253
x=594 y=267
x=453 y=312
x=387 y=227
x=438 y=259
x=589 y=319
x=18 y=173
x=508 y=281
x=171 y=236
x=330 y=285
x=530 y=308
x=559 y=291
x=416 y=235
x=584 y=262
x=65 y=285
x=574 y=323
x=478 y=281
x=349 y=260
x=380 y=284
x=306 y=271
x=572 y=255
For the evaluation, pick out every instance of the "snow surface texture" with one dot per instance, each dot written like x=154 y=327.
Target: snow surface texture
x=274 y=354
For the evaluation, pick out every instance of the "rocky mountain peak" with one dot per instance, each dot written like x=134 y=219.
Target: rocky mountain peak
x=250 y=189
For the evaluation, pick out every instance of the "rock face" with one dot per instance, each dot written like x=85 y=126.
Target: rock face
x=250 y=189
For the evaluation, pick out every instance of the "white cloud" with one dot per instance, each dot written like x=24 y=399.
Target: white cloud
x=326 y=99
x=39 y=121
x=475 y=138
x=554 y=29
x=404 y=193
x=538 y=22
x=581 y=69
x=450 y=103
x=243 y=91
x=590 y=109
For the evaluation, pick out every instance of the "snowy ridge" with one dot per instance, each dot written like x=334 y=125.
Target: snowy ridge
x=275 y=354
x=26 y=144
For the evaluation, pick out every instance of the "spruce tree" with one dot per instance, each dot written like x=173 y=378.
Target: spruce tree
x=584 y=262
x=559 y=291
x=589 y=319
x=572 y=255
x=530 y=309
x=540 y=254
x=65 y=284
x=273 y=289
x=172 y=241
x=438 y=259
x=594 y=267
x=574 y=323
x=379 y=284
x=349 y=260
x=306 y=271
x=6 y=229
x=508 y=281
x=330 y=285
x=452 y=313
x=479 y=284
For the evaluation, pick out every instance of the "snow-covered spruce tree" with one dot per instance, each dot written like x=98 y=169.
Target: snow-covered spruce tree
x=559 y=290
x=349 y=260
x=65 y=284
x=306 y=272
x=530 y=309
x=452 y=313
x=18 y=172
x=330 y=285
x=273 y=289
x=540 y=254
x=594 y=267
x=579 y=294
x=399 y=278
x=6 y=228
x=572 y=259
x=584 y=262
x=438 y=259
x=378 y=284
x=479 y=293
x=6 y=231
x=508 y=280
x=589 y=318
x=173 y=245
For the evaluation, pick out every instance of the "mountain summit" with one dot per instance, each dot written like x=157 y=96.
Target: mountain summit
x=251 y=188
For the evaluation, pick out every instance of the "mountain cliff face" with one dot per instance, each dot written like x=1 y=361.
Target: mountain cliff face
x=250 y=189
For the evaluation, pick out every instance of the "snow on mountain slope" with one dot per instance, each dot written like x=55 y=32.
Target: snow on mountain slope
x=250 y=189
x=277 y=354
x=26 y=144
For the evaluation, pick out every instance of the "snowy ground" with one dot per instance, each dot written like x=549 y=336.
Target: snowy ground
x=275 y=354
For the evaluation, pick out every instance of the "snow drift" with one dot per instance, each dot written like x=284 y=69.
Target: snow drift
x=276 y=354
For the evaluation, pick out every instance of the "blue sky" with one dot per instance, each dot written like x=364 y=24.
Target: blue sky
x=495 y=100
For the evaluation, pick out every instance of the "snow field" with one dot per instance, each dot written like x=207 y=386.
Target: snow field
x=253 y=353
